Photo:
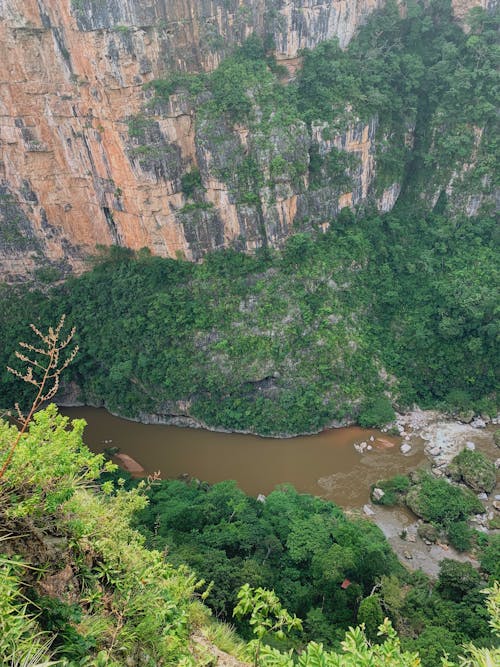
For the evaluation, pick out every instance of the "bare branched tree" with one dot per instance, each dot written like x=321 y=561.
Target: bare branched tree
x=44 y=365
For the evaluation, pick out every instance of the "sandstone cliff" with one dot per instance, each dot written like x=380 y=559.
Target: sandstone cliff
x=71 y=176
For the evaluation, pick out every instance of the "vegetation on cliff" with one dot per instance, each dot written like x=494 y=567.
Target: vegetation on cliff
x=430 y=90
x=288 y=342
x=380 y=311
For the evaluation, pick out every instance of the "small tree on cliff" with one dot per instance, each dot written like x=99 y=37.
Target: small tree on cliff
x=44 y=364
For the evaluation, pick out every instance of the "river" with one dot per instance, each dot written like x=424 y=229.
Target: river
x=326 y=464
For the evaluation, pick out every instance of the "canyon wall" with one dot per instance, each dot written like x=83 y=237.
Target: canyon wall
x=72 y=177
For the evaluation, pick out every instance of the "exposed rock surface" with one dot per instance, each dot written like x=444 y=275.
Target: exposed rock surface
x=425 y=555
x=443 y=438
x=72 y=75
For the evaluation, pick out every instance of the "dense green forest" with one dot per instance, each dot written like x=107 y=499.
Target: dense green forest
x=286 y=342
x=307 y=551
x=379 y=312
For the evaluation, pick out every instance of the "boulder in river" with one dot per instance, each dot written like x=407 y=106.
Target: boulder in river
x=466 y=416
x=405 y=448
x=131 y=465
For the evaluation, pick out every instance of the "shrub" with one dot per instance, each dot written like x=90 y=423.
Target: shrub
x=376 y=412
x=475 y=469
x=393 y=489
x=460 y=535
x=190 y=182
x=490 y=557
x=457 y=579
x=435 y=500
x=370 y=613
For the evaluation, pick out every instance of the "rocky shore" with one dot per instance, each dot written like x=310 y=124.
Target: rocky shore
x=443 y=440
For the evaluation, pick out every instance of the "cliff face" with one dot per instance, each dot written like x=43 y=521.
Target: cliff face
x=71 y=176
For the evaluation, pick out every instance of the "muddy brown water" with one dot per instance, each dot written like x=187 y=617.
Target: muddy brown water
x=326 y=464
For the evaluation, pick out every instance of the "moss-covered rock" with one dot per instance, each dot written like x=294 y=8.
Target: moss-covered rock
x=428 y=532
x=475 y=469
x=391 y=491
x=437 y=501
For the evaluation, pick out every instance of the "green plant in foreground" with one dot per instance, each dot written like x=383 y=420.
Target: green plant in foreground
x=267 y=616
x=44 y=367
x=132 y=605
x=357 y=651
x=21 y=642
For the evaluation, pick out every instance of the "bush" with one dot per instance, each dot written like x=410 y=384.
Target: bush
x=457 y=579
x=393 y=490
x=460 y=536
x=435 y=500
x=433 y=644
x=475 y=469
x=370 y=613
x=190 y=182
x=376 y=412
x=490 y=557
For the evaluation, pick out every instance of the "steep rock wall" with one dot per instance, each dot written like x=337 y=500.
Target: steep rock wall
x=72 y=75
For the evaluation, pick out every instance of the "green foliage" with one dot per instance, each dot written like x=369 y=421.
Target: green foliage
x=393 y=296
x=20 y=638
x=376 y=412
x=356 y=652
x=434 y=643
x=437 y=501
x=60 y=619
x=490 y=556
x=191 y=182
x=129 y=601
x=475 y=469
x=193 y=84
x=393 y=489
x=457 y=579
x=370 y=614
x=48 y=464
x=460 y=535
x=267 y=616
x=138 y=126
x=300 y=546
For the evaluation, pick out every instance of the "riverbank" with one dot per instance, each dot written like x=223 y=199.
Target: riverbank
x=400 y=526
x=183 y=420
x=442 y=439
x=333 y=464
